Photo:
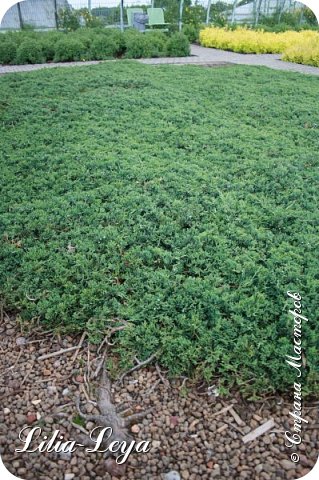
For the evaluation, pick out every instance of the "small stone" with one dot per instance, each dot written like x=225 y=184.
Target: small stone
x=174 y=421
x=69 y=476
x=115 y=469
x=66 y=456
x=130 y=388
x=287 y=465
x=36 y=402
x=6 y=411
x=79 y=379
x=52 y=389
x=65 y=392
x=135 y=429
x=172 y=475
x=215 y=472
x=156 y=443
x=259 y=468
x=14 y=384
x=21 y=341
x=21 y=419
x=89 y=408
x=31 y=418
x=46 y=372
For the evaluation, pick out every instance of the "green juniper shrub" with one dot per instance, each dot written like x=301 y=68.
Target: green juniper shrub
x=15 y=37
x=157 y=42
x=29 y=51
x=178 y=45
x=48 y=43
x=88 y=43
x=172 y=28
x=8 y=51
x=107 y=43
x=191 y=32
x=137 y=45
x=86 y=36
x=103 y=48
x=191 y=237
x=68 y=50
x=117 y=37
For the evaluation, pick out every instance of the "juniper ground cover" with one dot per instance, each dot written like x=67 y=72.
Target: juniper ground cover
x=183 y=200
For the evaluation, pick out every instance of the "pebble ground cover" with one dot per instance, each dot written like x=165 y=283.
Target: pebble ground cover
x=180 y=199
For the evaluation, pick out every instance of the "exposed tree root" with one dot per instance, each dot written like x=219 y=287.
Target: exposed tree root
x=109 y=416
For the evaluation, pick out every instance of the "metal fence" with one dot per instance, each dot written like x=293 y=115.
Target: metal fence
x=43 y=14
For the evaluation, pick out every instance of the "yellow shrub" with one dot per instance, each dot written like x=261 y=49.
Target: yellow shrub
x=306 y=52
x=301 y=47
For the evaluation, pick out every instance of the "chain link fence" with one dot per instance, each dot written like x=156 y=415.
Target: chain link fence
x=44 y=14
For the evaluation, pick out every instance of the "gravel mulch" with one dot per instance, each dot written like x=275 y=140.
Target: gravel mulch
x=192 y=432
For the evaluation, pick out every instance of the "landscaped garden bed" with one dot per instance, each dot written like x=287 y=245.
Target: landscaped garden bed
x=300 y=47
x=89 y=44
x=182 y=201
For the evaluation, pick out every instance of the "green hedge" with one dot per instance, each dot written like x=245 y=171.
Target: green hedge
x=88 y=44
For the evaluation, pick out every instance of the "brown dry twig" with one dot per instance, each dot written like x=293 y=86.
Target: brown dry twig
x=164 y=380
x=139 y=365
x=110 y=333
x=55 y=354
x=79 y=347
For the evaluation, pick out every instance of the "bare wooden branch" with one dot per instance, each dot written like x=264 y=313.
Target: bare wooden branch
x=221 y=429
x=136 y=417
x=139 y=365
x=79 y=347
x=164 y=380
x=79 y=427
x=99 y=366
x=236 y=417
x=233 y=426
x=223 y=410
x=259 y=431
x=55 y=354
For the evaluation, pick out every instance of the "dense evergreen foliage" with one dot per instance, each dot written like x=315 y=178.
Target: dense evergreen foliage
x=181 y=199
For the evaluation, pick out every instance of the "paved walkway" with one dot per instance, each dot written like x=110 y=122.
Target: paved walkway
x=200 y=56
x=39 y=66
x=207 y=56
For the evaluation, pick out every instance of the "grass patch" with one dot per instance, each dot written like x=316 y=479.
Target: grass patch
x=183 y=200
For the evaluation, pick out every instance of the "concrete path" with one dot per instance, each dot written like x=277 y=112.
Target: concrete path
x=39 y=66
x=207 y=56
x=200 y=56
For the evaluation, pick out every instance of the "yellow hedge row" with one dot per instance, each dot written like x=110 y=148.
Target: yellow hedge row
x=300 y=47
x=306 y=52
